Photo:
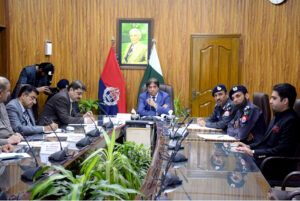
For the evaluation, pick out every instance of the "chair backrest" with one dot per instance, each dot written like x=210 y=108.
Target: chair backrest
x=262 y=101
x=166 y=88
x=297 y=107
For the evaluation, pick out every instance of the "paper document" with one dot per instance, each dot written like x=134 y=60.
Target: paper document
x=198 y=127
x=58 y=134
x=32 y=143
x=13 y=155
x=217 y=137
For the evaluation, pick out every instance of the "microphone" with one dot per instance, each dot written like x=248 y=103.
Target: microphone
x=59 y=155
x=107 y=125
x=95 y=132
x=84 y=141
x=29 y=174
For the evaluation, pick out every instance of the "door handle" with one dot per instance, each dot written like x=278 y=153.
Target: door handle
x=195 y=93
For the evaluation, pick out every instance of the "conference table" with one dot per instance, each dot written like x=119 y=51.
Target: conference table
x=11 y=170
x=214 y=171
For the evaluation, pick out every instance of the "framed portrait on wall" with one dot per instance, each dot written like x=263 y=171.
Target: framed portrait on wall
x=134 y=41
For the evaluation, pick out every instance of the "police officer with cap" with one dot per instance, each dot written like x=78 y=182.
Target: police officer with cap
x=248 y=124
x=224 y=110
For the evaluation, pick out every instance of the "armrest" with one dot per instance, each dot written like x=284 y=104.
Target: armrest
x=279 y=159
x=288 y=177
x=293 y=194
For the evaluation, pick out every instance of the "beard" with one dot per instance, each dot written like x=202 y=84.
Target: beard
x=242 y=105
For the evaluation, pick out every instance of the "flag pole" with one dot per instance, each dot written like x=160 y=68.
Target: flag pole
x=113 y=45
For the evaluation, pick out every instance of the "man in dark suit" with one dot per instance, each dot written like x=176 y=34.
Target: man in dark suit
x=39 y=76
x=281 y=137
x=60 y=108
x=153 y=101
x=20 y=114
x=7 y=136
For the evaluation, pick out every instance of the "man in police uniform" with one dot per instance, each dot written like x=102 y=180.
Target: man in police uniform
x=248 y=124
x=281 y=137
x=224 y=110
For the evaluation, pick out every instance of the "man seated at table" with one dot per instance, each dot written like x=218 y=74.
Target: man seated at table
x=248 y=124
x=7 y=136
x=153 y=101
x=60 y=109
x=224 y=110
x=281 y=137
x=20 y=113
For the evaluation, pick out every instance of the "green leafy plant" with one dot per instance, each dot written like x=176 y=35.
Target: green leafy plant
x=179 y=107
x=139 y=156
x=90 y=105
x=105 y=174
x=114 y=167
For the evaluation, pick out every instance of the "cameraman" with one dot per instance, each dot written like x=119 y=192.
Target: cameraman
x=39 y=76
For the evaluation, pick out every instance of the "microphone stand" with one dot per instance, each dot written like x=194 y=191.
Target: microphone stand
x=84 y=141
x=59 y=155
x=95 y=132
x=29 y=174
x=167 y=175
x=107 y=125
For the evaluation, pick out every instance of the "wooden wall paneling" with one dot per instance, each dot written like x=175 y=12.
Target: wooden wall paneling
x=81 y=31
x=2 y=13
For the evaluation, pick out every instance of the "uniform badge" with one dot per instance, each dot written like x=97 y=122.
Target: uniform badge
x=244 y=119
x=226 y=113
x=219 y=88
x=234 y=88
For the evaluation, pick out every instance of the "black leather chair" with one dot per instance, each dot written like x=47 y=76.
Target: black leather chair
x=262 y=101
x=283 y=194
x=166 y=88
x=297 y=107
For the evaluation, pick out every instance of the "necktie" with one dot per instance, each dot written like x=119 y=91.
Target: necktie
x=27 y=118
x=153 y=98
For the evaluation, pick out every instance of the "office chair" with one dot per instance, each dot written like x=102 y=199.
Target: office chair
x=166 y=88
x=297 y=107
x=283 y=194
x=262 y=101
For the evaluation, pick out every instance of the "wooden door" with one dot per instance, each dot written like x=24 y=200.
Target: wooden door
x=214 y=60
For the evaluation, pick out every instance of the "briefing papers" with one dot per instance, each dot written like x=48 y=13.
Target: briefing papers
x=217 y=137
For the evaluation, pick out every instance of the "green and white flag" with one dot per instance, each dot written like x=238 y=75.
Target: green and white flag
x=153 y=69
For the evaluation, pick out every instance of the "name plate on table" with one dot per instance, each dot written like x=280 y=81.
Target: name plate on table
x=52 y=147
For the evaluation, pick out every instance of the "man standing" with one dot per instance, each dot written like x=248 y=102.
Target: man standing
x=39 y=76
x=248 y=124
x=20 y=114
x=60 y=108
x=135 y=52
x=224 y=110
x=7 y=136
x=153 y=101
x=281 y=137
